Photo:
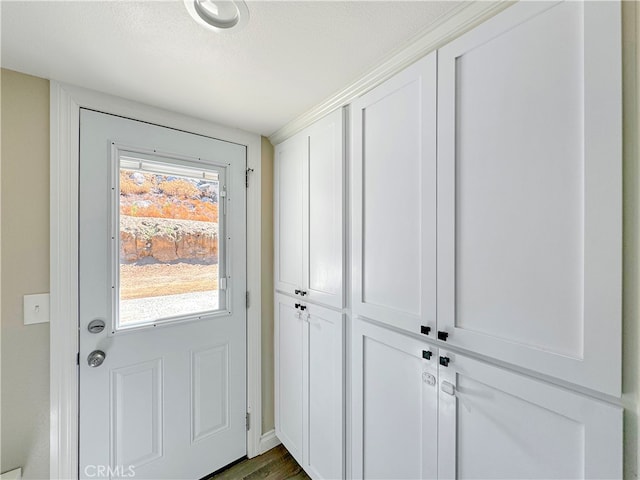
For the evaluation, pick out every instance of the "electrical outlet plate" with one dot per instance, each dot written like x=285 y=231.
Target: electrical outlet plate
x=36 y=308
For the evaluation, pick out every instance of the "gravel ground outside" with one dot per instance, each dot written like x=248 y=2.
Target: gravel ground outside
x=149 y=292
x=153 y=308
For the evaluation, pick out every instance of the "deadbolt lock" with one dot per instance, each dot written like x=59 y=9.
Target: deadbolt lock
x=96 y=326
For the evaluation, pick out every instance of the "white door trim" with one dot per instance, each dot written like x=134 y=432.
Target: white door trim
x=65 y=103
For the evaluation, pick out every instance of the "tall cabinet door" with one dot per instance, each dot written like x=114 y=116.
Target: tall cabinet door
x=290 y=171
x=324 y=242
x=325 y=458
x=529 y=190
x=394 y=199
x=394 y=405
x=290 y=374
x=494 y=423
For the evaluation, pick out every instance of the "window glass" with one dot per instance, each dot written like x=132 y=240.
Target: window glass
x=169 y=246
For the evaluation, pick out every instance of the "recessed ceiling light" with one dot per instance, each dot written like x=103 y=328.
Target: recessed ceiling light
x=219 y=15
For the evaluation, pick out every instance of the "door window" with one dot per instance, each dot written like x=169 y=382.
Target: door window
x=167 y=245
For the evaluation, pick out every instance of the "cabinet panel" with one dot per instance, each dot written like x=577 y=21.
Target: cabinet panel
x=325 y=241
x=529 y=190
x=394 y=409
x=310 y=212
x=394 y=199
x=289 y=173
x=497 y=424
x=326 y=409
x=290 y=378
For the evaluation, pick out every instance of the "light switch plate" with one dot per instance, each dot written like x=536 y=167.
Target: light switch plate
x=36 y=308
x=12 y=475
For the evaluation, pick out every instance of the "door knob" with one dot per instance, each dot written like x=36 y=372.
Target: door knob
x=96 y=358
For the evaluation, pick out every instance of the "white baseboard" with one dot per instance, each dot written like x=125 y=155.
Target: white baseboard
x=12 y=475
x=268 y=441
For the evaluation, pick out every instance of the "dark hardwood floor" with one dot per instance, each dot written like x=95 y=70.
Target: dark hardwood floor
x=276 y=464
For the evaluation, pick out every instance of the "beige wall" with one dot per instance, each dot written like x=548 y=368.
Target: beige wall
x=24 y=189
x=631 y=277
x=268 y=421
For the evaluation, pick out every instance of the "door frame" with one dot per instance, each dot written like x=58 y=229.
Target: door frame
x=65 y=104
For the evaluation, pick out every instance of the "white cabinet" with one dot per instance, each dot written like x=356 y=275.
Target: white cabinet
x=394 y=199
x=451 y=416
x=309 y=213
x=485 y=210
x=516 y=219
x=290 y=169
x=325 y=424
x=529 y=191
x=494 y=423
x=290 y=366
x=309 y=265
x=309 y=393
x=394 y=405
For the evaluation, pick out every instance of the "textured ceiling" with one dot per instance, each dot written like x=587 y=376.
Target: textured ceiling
x=288 y=58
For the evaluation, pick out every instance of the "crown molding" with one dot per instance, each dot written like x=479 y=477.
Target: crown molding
x=450 y=26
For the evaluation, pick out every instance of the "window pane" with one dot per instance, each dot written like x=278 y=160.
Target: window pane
x=169 y=244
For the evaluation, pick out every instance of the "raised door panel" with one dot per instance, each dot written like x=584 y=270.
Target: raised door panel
x=394 y=405
x=394 y=199
x=137 y=414
x=290 y=171
x=290 y=375
x=529 y=190
x=325 y=457
x=494 y=423
x=209 y=391
x=324 y=264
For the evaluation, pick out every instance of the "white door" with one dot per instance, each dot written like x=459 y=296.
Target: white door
x=394 y=200
x=496 y=424
x=394 y=405
x=291 y=363
x=163 y=268
x=530 y=193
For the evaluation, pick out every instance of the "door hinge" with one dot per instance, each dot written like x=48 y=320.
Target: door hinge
x=78 y=358
x=248 y=421
x=247 y=300
x=223 y=283
x=246 y=176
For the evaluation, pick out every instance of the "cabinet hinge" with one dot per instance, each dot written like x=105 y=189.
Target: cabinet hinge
x=246 y=176
x=248 y=421
x=247 y=300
